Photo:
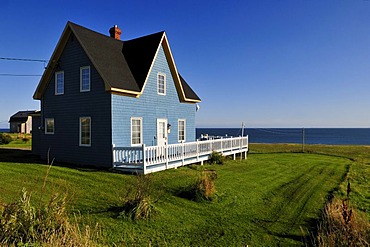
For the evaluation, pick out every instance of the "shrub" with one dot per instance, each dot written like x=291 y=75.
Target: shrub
x=342 y=225
x=5 y=139
x=138 y=203
x=216 y=158
x=203 y=188
x=25 y=139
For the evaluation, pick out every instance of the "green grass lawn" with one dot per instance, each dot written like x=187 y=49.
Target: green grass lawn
x=272 y=198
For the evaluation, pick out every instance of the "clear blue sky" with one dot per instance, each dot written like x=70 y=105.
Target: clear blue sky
x=269 y=63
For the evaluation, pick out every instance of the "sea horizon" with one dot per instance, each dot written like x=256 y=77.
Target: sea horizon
x=329 y=136
x=314 y=135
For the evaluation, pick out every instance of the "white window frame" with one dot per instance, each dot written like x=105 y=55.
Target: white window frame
x=80 y=132
x=141 y=131
x=46 y=126
x=178 y=130
x=56 y=82
x=81 y=69
x=164 y=83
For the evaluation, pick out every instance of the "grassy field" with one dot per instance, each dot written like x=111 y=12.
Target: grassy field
x=273 y=198
x=19 y=141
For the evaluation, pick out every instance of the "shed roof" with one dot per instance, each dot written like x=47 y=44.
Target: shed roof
x=21 y=116
x=123 y=65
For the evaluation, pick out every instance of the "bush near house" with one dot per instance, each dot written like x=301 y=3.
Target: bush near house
x=15 y=140
x=5 y=138
x=217 y=158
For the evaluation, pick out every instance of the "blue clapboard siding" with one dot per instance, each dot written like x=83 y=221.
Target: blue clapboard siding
x=150 y=106
x=66 y=110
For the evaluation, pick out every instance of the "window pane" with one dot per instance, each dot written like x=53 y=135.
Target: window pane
x=85 y=129
x=49 y=125
x=136 y=131
x=161 y=84
x=85 y=79
x=59 y=83
x=181 y=130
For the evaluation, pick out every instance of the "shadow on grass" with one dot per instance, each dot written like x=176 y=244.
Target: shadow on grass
x=14 y=155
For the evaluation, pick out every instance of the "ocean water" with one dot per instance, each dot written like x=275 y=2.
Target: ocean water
x=4 y=130
x=331 y=136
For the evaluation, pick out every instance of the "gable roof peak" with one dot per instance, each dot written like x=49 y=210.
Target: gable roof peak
x=124 y=66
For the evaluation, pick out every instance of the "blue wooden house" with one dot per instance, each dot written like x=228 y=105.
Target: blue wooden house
x=99 y=91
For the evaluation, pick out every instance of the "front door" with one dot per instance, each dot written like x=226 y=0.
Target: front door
x=161 y=132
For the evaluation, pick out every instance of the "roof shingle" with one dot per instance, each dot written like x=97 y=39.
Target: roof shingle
x=123 y=65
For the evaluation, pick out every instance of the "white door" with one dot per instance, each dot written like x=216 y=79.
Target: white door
x=161 y=132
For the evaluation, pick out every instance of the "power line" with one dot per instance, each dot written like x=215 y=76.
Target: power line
x=23 y=59
x=21 y=75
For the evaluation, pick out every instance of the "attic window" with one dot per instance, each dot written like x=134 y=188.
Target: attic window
x=161 y=84
x=85 y=79
x=59 y=82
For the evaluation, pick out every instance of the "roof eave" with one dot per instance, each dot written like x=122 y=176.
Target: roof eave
x=52 y=63
x=55 y=57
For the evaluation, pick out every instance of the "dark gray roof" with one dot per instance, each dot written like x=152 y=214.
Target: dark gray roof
x=123 y=65
x=189 y=93
x=107 y=55
x=21 y=116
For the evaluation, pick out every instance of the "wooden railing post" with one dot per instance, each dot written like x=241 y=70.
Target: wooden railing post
x=113 y=154
x=183 y=153
x=144 y=158
x=166 y=155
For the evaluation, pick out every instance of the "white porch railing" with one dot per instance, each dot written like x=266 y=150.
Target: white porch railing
x=147 y=159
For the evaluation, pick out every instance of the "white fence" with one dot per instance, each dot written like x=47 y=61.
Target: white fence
x=147 y=159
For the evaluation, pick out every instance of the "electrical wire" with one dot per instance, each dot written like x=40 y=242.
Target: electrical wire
x=18 y=75
x=23 y=59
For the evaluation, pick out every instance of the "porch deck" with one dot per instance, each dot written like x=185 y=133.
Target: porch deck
x=148 y=159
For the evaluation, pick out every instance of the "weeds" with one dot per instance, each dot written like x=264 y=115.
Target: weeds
x=203 y=188
x=342 y=226
x=22 y=224
x=138 y=203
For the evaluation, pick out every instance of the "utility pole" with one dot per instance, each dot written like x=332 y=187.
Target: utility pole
x=241 y=140
x=302 y=140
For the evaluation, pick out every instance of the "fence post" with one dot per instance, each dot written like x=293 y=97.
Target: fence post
x=246 y=153
x=166 y=155
x=241 y=147
x=183 y=153
x=113 y=155
x=197 y=150
x=144 y=158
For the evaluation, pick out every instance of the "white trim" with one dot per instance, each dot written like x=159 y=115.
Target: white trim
x=56 y=82
x=164 y=83
x=80 y=133
x=178 y=129
x=46 y=126
x=81 y=69
x=141 y=130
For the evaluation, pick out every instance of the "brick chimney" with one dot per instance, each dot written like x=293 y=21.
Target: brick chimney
x=115 y=32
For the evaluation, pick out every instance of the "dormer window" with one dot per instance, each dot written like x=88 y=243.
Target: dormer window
x=85 y=79
x=161 y=82
x=59 y=82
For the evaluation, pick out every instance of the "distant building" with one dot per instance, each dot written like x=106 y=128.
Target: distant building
x=21 y=122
